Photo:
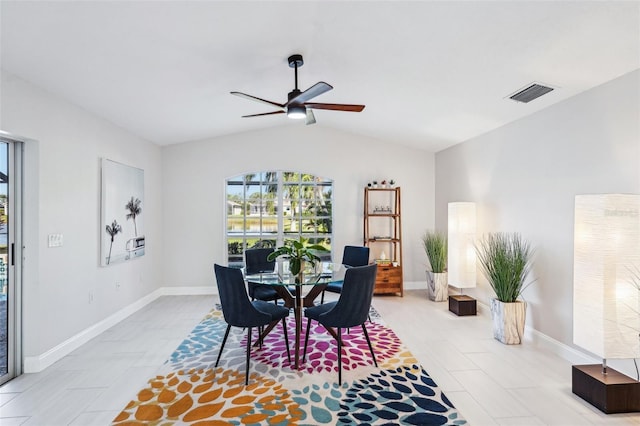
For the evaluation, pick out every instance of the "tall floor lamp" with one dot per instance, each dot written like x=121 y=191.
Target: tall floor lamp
x=606 y=304
x=461 y=255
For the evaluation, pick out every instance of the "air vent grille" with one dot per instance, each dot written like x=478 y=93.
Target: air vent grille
x=530 y=93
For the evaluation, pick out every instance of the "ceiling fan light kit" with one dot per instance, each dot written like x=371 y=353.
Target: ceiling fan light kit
x=296 y=112
x=297 y=106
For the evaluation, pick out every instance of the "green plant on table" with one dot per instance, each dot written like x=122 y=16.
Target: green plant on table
x=435 y=245
x=505 y=259
x=298 y=252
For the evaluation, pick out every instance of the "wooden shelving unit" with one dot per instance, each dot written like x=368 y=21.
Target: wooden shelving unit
x=383 y=236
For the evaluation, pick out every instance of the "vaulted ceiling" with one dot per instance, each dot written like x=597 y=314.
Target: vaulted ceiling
x=431 y=74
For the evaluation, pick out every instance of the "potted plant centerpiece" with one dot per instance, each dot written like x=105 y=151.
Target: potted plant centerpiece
x=435 y=245
x=299 y=254
x=505 y=259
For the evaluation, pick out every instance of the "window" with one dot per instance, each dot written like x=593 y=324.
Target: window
x=264 y=209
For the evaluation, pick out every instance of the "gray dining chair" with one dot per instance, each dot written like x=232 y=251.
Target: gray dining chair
x=350 y=310
x=255 y=261
x=351 y=256
x=239 y=311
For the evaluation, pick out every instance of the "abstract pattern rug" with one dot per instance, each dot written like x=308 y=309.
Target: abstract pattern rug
x=190 y=390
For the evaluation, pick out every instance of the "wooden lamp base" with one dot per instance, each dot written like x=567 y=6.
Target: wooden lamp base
x=610 y=393
x=462 y=305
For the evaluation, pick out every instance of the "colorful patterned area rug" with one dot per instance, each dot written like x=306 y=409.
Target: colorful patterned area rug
x=190 y=390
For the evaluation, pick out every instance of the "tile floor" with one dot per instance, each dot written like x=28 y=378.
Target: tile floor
x=491 y=383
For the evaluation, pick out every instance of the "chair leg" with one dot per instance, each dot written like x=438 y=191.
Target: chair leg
x=246 y=376
x=339 y=356
x=286 y=338
x=224 y=340
x=306 y=339
x=370 y=347
x=322 y=298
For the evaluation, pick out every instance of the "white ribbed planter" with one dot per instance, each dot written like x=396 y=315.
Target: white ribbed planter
x=437 y=286
x=508 y=321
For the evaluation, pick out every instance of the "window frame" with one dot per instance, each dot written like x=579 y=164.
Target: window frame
x=302 y=206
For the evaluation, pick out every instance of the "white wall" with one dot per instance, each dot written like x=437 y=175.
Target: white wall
x=63 y=196
x=194 y=190
x=524 y=177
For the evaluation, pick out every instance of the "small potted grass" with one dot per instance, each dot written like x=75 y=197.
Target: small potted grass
x=505 y=259
x=435 y=246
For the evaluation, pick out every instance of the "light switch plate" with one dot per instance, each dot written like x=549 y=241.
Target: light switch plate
x=55 y=240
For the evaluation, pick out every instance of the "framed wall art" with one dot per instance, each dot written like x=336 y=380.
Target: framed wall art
x=122 y=213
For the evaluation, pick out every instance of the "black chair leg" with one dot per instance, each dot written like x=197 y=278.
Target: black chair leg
x=306 y=339
x=224 y=340
x=322 y=298
x=370 y=347
x=286 y=338
x=339 y=356
x=246 y=377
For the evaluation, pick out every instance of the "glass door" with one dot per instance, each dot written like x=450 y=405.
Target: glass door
x=9 y=290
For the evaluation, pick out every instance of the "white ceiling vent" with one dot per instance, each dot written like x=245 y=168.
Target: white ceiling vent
x=531 y=92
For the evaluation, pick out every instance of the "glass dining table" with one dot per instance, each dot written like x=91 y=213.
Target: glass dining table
x=299 y=295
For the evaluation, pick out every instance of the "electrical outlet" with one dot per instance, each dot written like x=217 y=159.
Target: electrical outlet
x=55 y=240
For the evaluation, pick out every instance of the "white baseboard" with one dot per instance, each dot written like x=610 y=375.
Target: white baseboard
x=572 y=354
x=38 y=363
x=35 y=364
x=415 y=285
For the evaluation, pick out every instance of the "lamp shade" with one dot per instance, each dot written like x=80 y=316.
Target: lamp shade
x=461 y=254
x=606 y=303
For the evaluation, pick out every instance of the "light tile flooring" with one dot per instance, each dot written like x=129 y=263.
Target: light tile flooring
x=490 y=383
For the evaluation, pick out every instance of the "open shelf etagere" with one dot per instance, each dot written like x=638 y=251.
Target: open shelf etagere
x=383 y=234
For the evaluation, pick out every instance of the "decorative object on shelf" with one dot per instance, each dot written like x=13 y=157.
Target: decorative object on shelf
x=375 y=183
x=606 y=297
x=383 y=233
x=435 y=246
x=461 y=265
x=368 y=184
x=505 y=259
x=392 y=183
x=298 y=254
x=383 y=260
x=382 y=210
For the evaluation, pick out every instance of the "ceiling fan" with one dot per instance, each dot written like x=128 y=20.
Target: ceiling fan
x=297 y=106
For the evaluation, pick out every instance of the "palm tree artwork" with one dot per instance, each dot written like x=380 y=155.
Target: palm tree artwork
x=112 y=230
x=133 y=205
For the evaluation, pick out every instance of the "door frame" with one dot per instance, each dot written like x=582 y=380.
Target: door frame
x=15 y=158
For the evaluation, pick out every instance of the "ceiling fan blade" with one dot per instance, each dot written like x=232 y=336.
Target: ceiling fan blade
x=264 y=113
x=313 y=91
x=253 y=98
x=335 y=107
x=311 y=119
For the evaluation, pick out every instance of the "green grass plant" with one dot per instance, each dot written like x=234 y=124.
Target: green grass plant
x=505 y=259
x=435 y=245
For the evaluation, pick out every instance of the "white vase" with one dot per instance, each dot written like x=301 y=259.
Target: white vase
x=437 y=286
x=508 y=321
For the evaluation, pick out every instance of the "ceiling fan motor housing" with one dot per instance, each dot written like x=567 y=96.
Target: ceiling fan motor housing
x=293 y=94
